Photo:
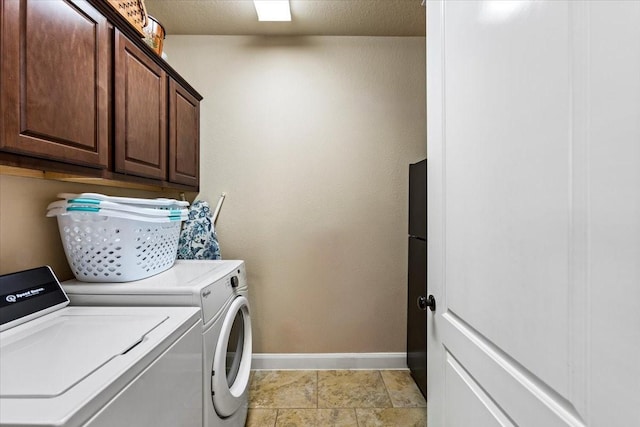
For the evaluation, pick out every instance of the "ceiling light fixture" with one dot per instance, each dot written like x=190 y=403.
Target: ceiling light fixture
x=272 y=10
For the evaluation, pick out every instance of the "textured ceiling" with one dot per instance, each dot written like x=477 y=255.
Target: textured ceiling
x=309 y=17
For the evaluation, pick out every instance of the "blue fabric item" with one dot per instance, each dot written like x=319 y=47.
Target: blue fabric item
x=198 y=238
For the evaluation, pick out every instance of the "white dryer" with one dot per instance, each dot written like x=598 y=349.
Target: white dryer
x=220 y=289
x=94 y=366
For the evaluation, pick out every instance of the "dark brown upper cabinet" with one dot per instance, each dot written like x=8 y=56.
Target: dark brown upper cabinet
x=82 y=94
x=140 y=112
x=54 y=81
x=184 y=136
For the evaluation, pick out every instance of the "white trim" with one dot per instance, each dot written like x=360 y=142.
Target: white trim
x=227 y=399
x=316 y=361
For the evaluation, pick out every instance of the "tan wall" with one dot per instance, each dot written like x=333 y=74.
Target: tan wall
x=311 y=140
x=27 y=238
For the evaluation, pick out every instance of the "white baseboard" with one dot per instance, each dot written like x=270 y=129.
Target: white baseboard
x=315 y=361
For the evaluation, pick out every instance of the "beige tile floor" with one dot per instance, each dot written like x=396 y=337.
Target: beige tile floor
x=343 y=398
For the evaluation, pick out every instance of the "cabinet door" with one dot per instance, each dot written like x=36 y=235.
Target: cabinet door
x=184 y=136
x=140 y=112
x=54 y=81
x=417 y=314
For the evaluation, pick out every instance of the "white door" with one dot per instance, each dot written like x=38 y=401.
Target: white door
x=534 y=213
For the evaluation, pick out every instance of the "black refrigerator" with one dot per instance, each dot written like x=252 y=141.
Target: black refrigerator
x=417 y=276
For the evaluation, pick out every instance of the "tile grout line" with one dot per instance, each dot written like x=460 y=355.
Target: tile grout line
x=355 y=412
x=386 y=389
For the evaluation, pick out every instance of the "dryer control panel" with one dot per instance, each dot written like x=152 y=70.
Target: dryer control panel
x=216 y=296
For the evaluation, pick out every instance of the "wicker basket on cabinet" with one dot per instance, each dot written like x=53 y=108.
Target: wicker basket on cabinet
x=133 y=11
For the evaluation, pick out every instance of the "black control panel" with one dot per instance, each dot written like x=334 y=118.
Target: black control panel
x=25 y=293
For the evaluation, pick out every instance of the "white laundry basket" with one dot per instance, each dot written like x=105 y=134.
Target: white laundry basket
x=160 y=203
x=117 y=247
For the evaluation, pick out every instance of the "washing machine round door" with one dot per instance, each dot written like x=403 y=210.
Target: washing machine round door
x=232 y=359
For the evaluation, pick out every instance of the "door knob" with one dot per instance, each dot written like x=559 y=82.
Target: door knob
x=424 y=302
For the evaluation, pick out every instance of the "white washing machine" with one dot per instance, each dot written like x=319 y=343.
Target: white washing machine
x=220 y=289
x=94 y=366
